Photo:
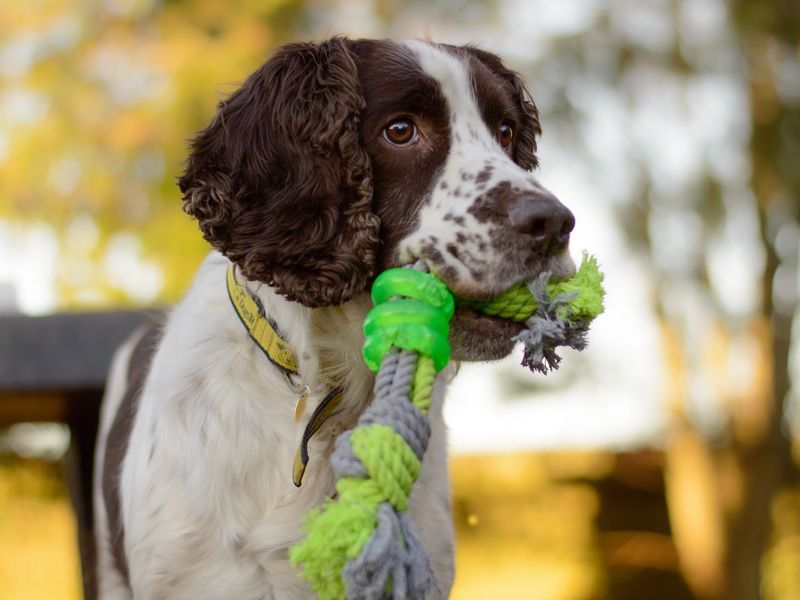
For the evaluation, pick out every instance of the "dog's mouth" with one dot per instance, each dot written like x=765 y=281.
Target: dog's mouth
x=469 y=318
x=478 y=336
x=475 y=335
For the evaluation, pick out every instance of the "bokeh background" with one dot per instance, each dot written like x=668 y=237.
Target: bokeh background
x=662 y=463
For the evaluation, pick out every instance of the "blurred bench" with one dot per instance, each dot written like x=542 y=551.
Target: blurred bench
x=54 y=368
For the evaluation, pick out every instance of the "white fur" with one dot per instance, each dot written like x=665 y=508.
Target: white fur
x=214 y=511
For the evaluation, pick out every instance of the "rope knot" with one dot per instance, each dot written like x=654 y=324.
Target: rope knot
x=389 y=461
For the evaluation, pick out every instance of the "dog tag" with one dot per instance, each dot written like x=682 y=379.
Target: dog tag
x=321 y=414
x=300 y=407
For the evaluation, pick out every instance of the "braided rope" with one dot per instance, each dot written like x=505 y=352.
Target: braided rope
x=422 y=386
x=362 y=545
x=516 y=304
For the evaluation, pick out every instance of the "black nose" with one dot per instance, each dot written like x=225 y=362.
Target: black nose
x=545 y=219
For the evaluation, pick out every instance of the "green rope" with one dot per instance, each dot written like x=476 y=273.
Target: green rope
x=518 y=304
x=585 y=290
x=422 y=385
x=323 y=556
x=389 y=461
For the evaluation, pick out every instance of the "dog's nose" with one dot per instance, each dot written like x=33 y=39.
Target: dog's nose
x=545 y=219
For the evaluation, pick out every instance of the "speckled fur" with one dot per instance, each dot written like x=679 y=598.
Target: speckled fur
x=463 y=230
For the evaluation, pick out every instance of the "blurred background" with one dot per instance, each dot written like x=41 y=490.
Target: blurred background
x=662 y=463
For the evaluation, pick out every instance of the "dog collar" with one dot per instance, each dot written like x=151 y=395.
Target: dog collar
x=265 y=333
x=261 y=329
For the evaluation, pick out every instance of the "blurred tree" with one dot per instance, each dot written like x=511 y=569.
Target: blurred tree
x=688 y=193
x=686 y=200
x=97 y=101
x=769 y=33
x=685 y=115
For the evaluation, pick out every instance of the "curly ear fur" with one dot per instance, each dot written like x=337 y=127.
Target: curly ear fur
x=529 y=129
x=279 y=182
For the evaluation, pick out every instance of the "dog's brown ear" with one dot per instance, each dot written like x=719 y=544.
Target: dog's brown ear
x=279 y=182
x=529 y=127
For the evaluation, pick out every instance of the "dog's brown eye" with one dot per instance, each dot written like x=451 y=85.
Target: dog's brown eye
x=505 y=135
x=401 y=132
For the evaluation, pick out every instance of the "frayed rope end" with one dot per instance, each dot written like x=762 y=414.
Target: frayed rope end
x=565 y=311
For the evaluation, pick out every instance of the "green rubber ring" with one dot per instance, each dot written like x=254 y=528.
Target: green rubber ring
x=409 y=324
x=413 y=284
x=406 y=311
x=412 y=337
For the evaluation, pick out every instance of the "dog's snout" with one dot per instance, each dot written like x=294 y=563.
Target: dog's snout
x=545 y=219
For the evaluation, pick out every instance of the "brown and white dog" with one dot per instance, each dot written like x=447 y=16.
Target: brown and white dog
x=332 y=162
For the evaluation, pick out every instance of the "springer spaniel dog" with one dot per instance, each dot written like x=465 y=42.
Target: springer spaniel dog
x=333 y=162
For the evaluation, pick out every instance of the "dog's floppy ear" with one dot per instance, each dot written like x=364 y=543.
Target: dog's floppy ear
x=279 y=182
x=529 y=127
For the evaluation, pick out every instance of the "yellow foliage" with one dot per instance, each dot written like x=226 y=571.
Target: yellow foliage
x=38 y=550
x=102 y=108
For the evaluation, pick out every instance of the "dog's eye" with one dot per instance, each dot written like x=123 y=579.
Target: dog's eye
x=400 y=132
x=505 y=135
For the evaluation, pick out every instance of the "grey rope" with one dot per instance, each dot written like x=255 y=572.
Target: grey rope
x=393 y=563
x=384 y=559
x=545 y=331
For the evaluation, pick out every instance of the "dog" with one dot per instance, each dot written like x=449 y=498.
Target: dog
x=332 y=162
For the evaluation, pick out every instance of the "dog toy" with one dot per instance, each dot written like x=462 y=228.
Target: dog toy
x=362 y=545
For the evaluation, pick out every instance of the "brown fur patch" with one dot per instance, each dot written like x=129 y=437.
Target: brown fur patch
x=118 y=438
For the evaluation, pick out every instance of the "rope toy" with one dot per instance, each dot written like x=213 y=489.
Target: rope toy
x=362 y=544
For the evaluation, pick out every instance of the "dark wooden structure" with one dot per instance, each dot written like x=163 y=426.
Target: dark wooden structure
x=54 y=368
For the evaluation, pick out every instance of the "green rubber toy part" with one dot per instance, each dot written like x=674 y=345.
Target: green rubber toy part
x=413 y=284
x=418 y=338
x=409 y=324
x=406 y=311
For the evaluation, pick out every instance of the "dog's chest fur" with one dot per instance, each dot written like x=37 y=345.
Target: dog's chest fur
x=208 y=503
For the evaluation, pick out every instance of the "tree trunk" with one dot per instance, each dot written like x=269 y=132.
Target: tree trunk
x=762 y=450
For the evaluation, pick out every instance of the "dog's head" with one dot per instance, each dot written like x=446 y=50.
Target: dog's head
x=337 y=160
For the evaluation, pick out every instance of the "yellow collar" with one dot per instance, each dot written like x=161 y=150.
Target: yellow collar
x=263 y=330
x=265 y=333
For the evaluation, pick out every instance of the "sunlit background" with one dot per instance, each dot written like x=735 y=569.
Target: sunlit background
x=662 y=463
